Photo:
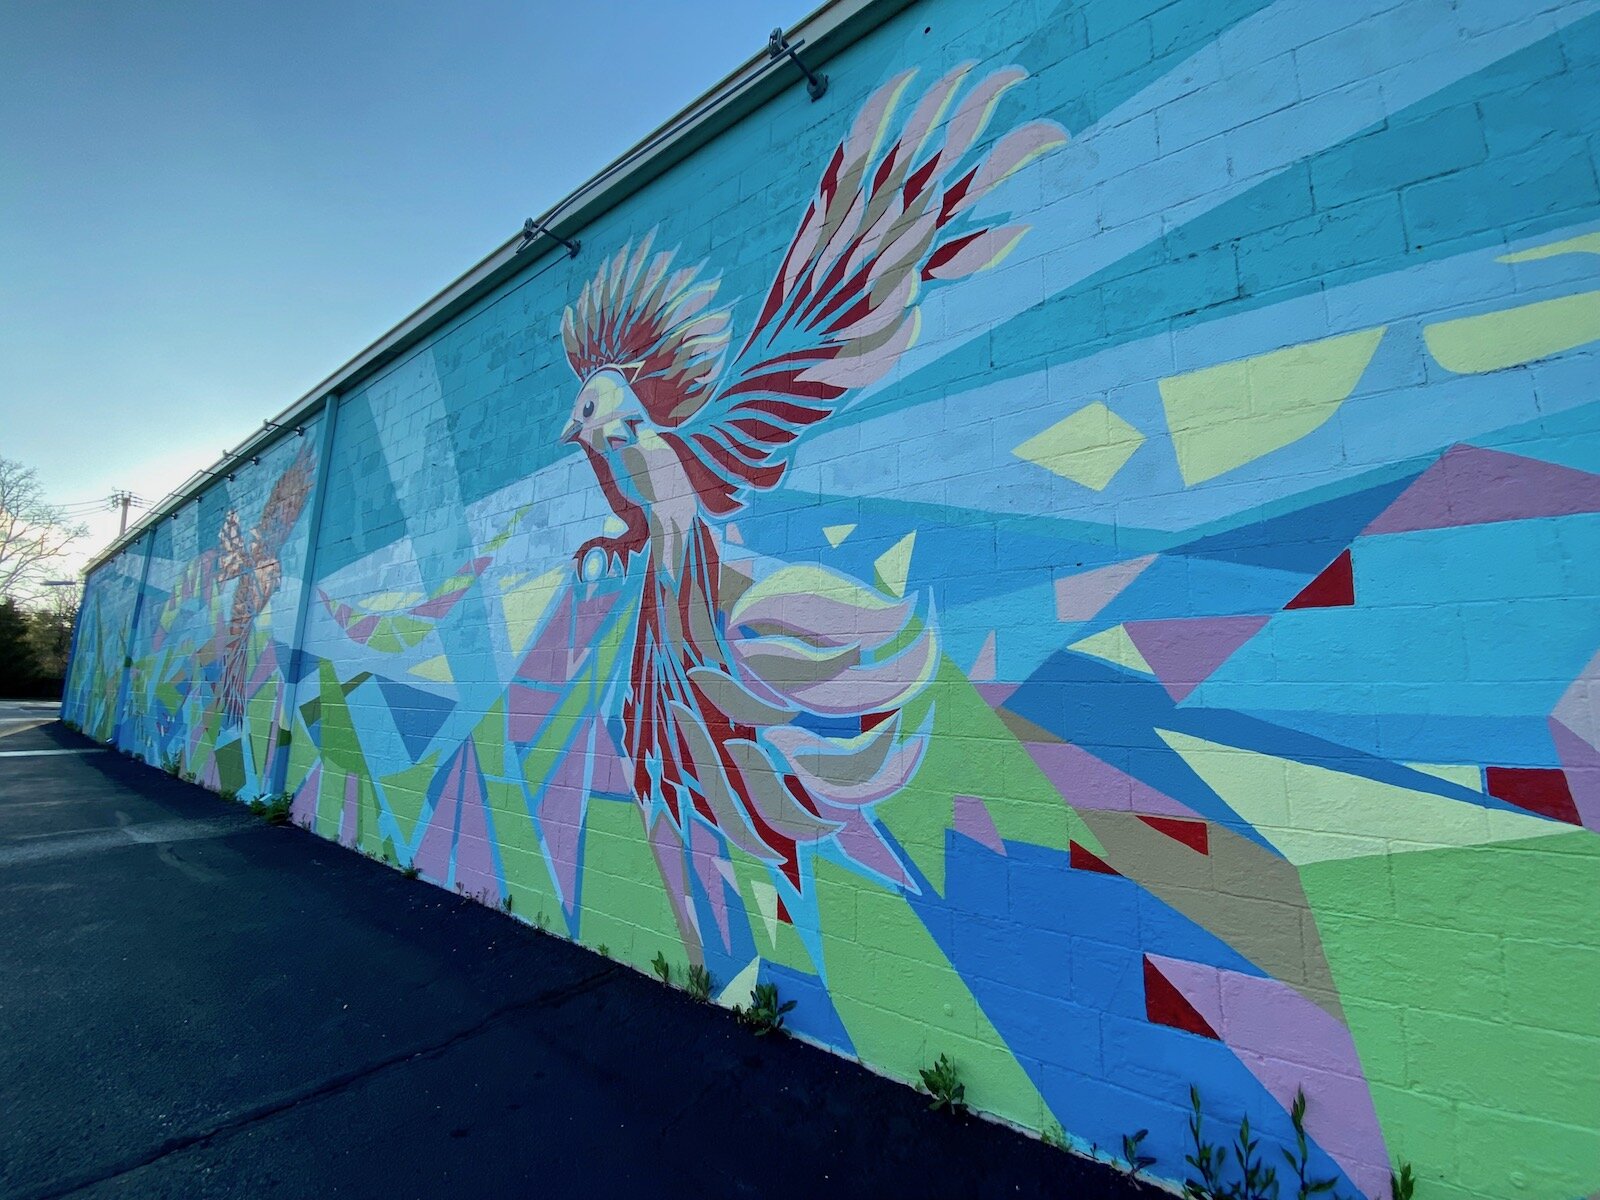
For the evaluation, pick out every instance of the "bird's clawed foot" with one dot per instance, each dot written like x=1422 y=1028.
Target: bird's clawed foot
x=597 y=557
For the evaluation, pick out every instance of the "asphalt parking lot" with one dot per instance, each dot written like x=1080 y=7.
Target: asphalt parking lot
x=194 y=1003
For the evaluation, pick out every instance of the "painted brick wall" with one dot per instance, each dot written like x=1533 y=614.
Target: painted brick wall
x=1077 y=552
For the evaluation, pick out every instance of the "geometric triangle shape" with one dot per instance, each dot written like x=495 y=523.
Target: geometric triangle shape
x=1081 y=597
x=1542 y=790
x=973 y=820
x=1114 y=646
x=766 y=898
x=1089 y=447
x=1225 y=416
x=1183 y=652
x=893 y=566
x=836 y=534
x=1582 y=763
x=417 y=715
x=1334 y=588
x=1192 y=834
x=1081 y=858
x=1166 y=1005
x=525 y=606
x=1313 y=814
x=1470 y=485
x=1291 y=1044
x=983 y=667
x=436 y=669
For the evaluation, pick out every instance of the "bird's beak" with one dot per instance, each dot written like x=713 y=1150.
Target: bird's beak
x=570 y=433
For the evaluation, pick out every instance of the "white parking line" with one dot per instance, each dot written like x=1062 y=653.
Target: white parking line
x=47 y=753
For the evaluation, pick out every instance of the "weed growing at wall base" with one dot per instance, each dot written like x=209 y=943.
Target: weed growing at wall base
x=942 y=1082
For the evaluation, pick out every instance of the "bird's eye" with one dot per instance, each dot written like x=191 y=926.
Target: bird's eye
x=588 y=408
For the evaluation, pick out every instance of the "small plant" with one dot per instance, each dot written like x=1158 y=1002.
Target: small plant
x=274 y=810
x=229 y=793
x=661 y=967
x=1133 y=1159
x=505 y=904
x=699 y=983
x=1300 y=1161
x=1258 y=1181
x=1206 y=1158
x=171 y=764
x=1053 y=1135
x=410 y=871
x=1403 y=1184
x=942 y=1082
x=764 y=1013
x=603 y=950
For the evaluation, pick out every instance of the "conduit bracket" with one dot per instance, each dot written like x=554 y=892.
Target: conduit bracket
x=779 y=46
x=532 y=229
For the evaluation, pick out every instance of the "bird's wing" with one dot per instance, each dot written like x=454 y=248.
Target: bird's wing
x=893 y=216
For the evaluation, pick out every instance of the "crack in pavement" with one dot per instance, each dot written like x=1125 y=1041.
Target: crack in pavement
x=268 y=1109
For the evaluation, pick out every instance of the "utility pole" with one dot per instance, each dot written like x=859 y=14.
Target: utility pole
x=124 y=499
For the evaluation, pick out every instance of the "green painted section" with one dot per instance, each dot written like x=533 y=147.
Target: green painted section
x=902 y=1002
x=1470 y=977
x=972 y=753
x=625 y=905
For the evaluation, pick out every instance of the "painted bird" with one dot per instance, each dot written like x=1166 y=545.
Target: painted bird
x=772 y=710
x=256 y=565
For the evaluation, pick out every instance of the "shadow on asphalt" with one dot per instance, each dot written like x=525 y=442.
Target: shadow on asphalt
x=254 y=1011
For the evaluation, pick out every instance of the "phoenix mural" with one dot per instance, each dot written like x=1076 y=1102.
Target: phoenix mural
x=1118 y=611
x=771 y=709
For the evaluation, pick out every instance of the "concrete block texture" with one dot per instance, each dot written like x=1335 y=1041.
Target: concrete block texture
x=1079 y=551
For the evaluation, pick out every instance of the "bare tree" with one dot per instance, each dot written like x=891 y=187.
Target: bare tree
x=33 y=534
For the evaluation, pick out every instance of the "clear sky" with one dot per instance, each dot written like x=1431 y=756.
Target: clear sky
x=205 y=208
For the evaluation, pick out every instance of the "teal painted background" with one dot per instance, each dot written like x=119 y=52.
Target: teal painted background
x=1169 y=662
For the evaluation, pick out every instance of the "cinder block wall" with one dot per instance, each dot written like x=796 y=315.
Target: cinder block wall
x=1084 y=561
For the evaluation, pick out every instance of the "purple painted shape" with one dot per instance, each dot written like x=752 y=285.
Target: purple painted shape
x=350 y=818
x=610 y=775
x=705 y=852
x=433 y=854
x=527 y=709
x=475 y=874
x=1287 y=1042
x=363 y=628
x=546 y=660
x=667 y=846
x=1470 y=485
x=995 y=695
x=863 y=844
x=1184 y=651
x=983 y=667
x=973 y=820
x=1579 y=706
x=303 y=810
x=562 y=804
x=592 y=612
x=1085 y=781
x=1081 y=597
x=1581 y=762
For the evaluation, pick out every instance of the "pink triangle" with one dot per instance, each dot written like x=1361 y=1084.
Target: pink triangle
x=995 y=695
x=476 y=875
x=1473 y=486
x=1085 y=781
x=1288 y=1043
x=304 y=809
x=973 y=820
x=983 y=667
x=1081 y=597
x=1581 y=761
x=433 y=852
x=562 y=804
x=1185 y=651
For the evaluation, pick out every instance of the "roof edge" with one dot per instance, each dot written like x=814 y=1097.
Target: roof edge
x=821 y=36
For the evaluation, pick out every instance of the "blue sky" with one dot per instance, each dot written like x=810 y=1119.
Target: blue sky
x=205 y=208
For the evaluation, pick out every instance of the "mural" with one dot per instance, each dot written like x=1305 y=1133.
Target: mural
x=1118 y=611
x=205 y=669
